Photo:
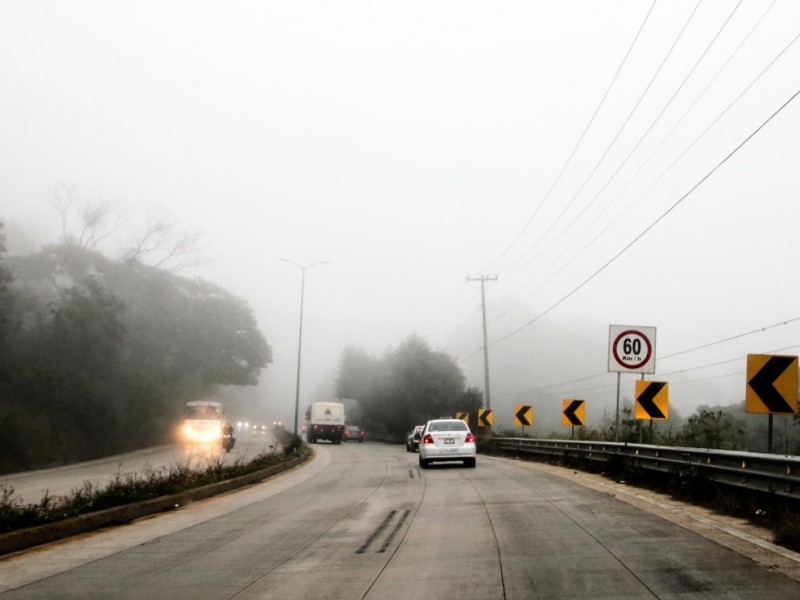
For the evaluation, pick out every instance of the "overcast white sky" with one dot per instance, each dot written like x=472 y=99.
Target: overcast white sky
x=409 y=144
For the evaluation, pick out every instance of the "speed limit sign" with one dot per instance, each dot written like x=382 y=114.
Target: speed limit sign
x=631 y=349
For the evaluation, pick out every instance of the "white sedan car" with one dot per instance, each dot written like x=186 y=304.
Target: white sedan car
x=446 y=440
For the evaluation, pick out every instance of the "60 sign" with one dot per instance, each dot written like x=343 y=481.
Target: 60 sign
x=632 y=349
x=632 y=346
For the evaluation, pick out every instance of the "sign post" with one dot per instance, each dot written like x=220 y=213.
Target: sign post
x=573 y=413
x=631 y=349
x=771 y=387
x=523 y=417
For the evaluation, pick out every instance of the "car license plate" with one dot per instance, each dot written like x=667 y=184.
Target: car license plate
x=449 y=441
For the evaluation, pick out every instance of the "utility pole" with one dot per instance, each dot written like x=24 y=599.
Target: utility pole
x=486 y=393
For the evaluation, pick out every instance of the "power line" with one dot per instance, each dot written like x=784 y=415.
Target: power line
x=654 y=223
x=577 y=145
x=610 y=145
x=686 y=150
x=660 y=145
x=729 y=339
x=646 y=133
x=674 y=354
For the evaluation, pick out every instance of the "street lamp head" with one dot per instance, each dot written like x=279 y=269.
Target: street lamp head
x=304 y=267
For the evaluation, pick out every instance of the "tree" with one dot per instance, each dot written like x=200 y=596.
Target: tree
x=88 y=225
x=186 y=329
x=408 y=386
x=169 y=248
x=712 y=429
x=105 y=354
x=84 y=224
x=359 y=375
x=5 y=289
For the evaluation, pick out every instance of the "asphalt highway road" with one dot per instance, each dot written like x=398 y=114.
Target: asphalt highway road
x=32 y=486
x=364 y=521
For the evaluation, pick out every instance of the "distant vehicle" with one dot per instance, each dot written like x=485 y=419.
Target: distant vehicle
x=412 y=441
x=325 y=422
x=202 y=425
x=353 y=433
x=447 y=440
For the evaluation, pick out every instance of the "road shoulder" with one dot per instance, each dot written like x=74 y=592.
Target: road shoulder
x=734 y=533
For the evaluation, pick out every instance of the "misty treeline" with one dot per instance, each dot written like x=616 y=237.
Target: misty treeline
x=405 y=387
x=98 y=356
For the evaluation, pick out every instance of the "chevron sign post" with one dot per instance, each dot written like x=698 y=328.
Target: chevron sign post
x=485 y=417
x=771 y=384
x=523 y=415
x=573 y=413
x=771 y=387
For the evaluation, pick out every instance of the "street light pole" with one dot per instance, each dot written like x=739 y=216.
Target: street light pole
x=300 y=338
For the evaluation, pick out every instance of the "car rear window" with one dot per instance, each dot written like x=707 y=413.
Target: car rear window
x=448 y=426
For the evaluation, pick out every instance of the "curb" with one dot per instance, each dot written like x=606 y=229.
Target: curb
x=23 y=539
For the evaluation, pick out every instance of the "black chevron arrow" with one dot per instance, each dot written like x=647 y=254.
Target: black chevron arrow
x=520 y=414
x=485 y=418
x=761 y=383
x=646 y=400
x=569 y=412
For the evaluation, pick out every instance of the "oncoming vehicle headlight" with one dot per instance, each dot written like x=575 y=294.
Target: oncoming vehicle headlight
x=209 y=435
x=201 y=434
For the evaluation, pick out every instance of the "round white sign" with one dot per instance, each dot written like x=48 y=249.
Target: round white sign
x=632 y=349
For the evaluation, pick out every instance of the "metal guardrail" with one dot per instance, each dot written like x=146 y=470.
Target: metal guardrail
x=770 y=473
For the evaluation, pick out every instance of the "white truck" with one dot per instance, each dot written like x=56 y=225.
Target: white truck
x=325 y=421
x=202 y=427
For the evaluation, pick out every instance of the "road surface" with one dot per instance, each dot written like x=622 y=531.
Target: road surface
x=364 y=521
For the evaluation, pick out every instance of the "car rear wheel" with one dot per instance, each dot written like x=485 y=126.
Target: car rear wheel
x=469 y=462
x=423 y=463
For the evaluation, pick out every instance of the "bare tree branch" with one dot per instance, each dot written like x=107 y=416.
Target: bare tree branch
x=92 y=218
x=89 y=224
x=173 y=250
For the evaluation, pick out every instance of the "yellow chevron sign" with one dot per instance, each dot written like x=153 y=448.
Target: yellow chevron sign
x=523 y=415
x=464 y=416
x=652 y=400
x=573 y=413
x=485 y=417
x=771 y=384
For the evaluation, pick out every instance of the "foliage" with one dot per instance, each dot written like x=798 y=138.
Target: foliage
x=291 y=443
x=106 y=353
x=712 y=429
x=628 y=425
x=406 y=387
x=5 y=295
x=128 y=489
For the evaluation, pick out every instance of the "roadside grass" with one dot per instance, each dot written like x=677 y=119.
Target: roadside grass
x=137 y=487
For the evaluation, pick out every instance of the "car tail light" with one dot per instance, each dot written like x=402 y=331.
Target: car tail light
x=470 y=438
x=428 y=439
